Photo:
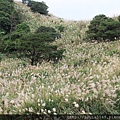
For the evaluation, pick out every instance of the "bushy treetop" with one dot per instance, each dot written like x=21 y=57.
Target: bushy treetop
x=39 y=7
x=48 y=30
x=103 y=28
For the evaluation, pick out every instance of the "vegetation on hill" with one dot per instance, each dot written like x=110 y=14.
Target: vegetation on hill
x=8 y=16
x=34 y=46
x=86 y=80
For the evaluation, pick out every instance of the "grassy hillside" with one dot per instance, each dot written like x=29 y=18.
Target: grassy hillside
x=84 y=81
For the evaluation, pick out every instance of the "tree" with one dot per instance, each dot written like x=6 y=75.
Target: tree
x=48 y=30
x=6 y=6
x=93 y=27
x=37 y=48
x=11 y=39
x=5 y=12
x=5 y=23
x=109 y=29
x=34 y=46
x=8 y=16
x=103 y=28
x=39 y=7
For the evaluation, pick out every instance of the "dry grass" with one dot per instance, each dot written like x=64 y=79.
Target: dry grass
x=88 y=75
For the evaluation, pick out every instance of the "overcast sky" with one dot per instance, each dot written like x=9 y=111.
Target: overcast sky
x=82 y=9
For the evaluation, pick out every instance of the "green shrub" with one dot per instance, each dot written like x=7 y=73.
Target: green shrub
x=48 y=30
x=39 y=7
x=61 y=28
x=23 y=28
x=6 y=6
x=5 y=24
x=3 y=14
x=102 y=28
x=9 y=17
x=42 y=29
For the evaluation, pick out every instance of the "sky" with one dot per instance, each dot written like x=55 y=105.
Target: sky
x=82 y=9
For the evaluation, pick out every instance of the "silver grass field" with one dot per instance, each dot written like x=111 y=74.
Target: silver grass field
x=86 y=80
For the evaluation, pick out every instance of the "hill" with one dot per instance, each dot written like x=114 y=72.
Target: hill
x=86 y=80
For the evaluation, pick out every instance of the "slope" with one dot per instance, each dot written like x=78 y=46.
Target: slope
x=84 y=81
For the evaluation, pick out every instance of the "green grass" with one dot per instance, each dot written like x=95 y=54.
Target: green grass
x=84 y=81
